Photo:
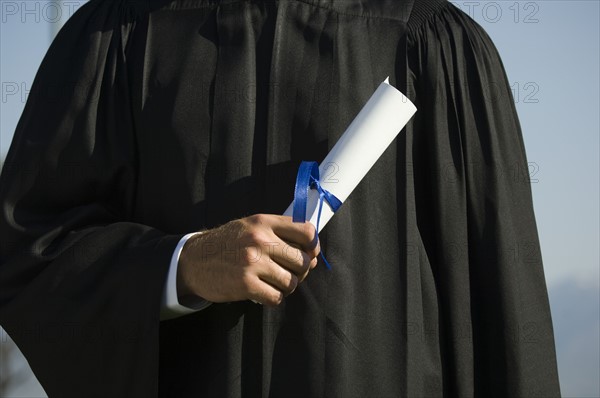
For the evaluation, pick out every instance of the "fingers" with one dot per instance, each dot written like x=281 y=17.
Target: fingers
x=285 y=253
x=262 y=292
x=290 y=257
x=304 y=235
x=297 y=253
x=280 y=278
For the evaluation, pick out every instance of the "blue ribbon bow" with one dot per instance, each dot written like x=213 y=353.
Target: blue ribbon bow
x=308 y=178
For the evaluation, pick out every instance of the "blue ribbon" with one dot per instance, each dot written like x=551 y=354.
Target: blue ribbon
x=308 y=178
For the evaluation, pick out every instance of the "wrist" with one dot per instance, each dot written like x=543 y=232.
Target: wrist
x=185 y=269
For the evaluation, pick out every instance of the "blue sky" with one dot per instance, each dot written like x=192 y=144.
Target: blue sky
x=550 y=50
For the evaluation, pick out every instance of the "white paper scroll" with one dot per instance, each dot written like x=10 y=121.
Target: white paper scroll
x=357 y=150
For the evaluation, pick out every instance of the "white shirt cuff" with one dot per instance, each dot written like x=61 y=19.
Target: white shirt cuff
x=170 y=305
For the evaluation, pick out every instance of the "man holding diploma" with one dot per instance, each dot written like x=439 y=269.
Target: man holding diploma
x=141 y=225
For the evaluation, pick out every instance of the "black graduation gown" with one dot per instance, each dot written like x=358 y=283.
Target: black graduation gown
x=150 y=119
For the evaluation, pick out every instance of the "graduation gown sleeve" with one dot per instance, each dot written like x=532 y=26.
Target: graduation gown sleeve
x=473 y=219
x=80 y=280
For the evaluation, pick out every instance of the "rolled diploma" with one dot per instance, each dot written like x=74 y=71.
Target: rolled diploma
x=364 y=141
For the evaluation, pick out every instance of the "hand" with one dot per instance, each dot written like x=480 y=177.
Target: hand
x=261 y=258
